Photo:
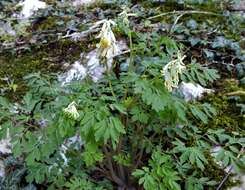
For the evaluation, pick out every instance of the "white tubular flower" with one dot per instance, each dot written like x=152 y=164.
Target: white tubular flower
x=108 y=46
x=172 y=70
x=71 y=111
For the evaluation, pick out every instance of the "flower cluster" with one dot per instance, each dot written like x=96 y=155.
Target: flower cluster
x=71 y=111
x=107 y=47
x=172 y=70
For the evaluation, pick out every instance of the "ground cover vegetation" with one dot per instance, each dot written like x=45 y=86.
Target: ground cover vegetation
x=133 y=129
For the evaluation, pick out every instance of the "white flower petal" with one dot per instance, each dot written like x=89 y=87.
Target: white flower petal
x=171 y=72
x=108 y=46
x=71 y=111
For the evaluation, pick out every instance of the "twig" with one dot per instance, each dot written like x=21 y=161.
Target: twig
x=225 y=178
x=213 y=31
x=122 y=53
x=236 y=93
x=75 y=36
x=175 y=22
x=229 y=172
x=79 y=35
x=184 y=12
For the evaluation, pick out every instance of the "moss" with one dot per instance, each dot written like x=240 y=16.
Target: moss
x=47 y=23
x=16 y=68
x=46 y=58
x=229 y=115
x=214 y=172
x=174 y=5
x=230 y=85
x=225 y=122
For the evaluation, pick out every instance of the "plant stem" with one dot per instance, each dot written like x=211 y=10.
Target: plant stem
x=115 y=178
x=130 y=69
x=112 y=91
x=139 y=131
x=110 y=84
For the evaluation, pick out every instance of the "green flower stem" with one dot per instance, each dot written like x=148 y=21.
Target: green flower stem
x=110 y=84
x=131 y=67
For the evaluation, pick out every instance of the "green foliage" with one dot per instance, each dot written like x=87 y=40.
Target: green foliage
x=82 y=184
x=91 y=154
x=202 y=112
x=153 y=94
x=160 y=174
x=200 y=74
x=108 y=123
x=78 y=183
x=192 y=155
x=123 y=159
x=130 y=132
x=193 y=182
x=232 y=150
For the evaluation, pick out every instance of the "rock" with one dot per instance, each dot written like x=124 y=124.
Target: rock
x=192 y=91
x=240 y=6
x=95 y=69
x=6 y=28
x=89 y=65
x=79 y=71
x=76 y=72
x=74 y=142
x=2 y=169
x=83 y=2
x=5 y=145
x=214 y=151
x=242 y=186
x=29 y=6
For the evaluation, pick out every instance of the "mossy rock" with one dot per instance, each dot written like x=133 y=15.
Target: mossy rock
x=229 y=116
x=214 y=172
x=47 y=58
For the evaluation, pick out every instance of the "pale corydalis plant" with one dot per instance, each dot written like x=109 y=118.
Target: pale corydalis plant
x=107 y=47
x=172 y=70
x=71 y=111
